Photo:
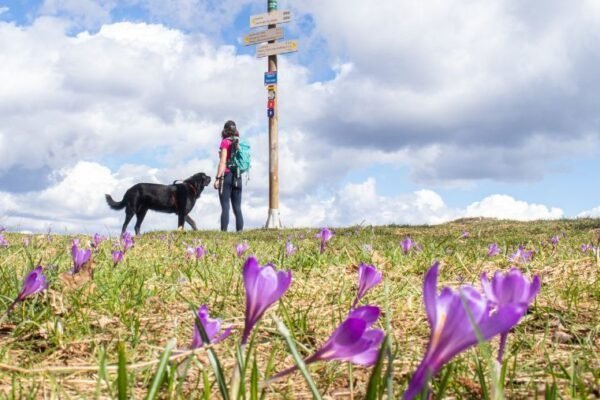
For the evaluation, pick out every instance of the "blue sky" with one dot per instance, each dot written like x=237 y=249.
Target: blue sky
x=401 y=113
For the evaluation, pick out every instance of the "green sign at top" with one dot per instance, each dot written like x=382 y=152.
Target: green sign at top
x=272 y=5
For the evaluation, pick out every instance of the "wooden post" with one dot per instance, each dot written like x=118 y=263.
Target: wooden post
x=273 y=220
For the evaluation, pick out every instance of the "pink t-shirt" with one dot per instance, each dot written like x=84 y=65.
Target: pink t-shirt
x=226 y=145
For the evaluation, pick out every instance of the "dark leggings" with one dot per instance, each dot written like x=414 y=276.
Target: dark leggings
x=232 y=189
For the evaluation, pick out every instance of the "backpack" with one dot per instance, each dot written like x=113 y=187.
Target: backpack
x=239 y=162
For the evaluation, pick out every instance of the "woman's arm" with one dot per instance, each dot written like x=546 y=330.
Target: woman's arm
x=221 y=167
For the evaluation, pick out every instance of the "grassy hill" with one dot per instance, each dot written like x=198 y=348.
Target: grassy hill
x=63 y=343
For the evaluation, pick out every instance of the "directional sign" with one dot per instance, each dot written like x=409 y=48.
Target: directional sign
x=271 y=78
x=271 y=49
x=263 y=36
x=270 y=18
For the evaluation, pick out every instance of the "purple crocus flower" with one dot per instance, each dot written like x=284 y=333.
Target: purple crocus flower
x=493 y=250
x=3 y=241
x=368 y=277
x=456 y=317
x=189 y=251
x=507 y=289
x=521 y=256
x=117 y=256
x=586 y=247
x=211 y=327
x=199 y=252
x=34 y=282
x=126 y=241
x=353 y=341
x=79 y=256
x=96 y=240
x=241 y=248
x=367 y=248
x=26 y=241
x=290 y=249
x=464 y=235
x=554 y=240
x=407 y=244
x=324 y=235
x=264 y=286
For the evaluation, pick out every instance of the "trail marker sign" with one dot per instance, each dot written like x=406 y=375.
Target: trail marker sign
x=263 y=36
x=270 y=18
x=271 y=78
x=271 y=49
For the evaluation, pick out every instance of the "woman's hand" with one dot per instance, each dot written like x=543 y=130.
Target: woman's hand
x=217 y=184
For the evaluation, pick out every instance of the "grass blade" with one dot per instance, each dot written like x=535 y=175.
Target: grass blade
x=160 y=371
x=298 y=359
x=122 y=372
x=444 y=381
x=254 y=381
x=375 y=386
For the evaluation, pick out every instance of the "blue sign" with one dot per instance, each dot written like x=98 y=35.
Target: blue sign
x=271 y=78
x=270 y=113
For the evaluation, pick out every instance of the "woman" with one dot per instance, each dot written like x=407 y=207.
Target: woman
x=228 y=185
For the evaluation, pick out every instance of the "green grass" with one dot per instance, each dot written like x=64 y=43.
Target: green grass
x=107 y=338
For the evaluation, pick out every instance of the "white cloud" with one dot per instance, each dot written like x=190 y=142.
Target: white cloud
x=506 y=207
x=85 y=13
x=471 y=79
x=592 y=213
x=128 y=89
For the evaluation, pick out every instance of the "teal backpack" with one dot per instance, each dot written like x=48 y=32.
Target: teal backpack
x=239 y=162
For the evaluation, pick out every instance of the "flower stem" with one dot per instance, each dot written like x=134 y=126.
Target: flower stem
x=503 y=338
x=236 y=379
x=8 y=310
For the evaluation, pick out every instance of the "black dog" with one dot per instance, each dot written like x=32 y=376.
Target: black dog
x=177 y=198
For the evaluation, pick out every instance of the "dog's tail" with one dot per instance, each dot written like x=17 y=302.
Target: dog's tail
x=115 y=205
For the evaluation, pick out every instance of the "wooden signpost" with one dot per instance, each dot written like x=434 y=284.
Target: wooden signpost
x=271 y=50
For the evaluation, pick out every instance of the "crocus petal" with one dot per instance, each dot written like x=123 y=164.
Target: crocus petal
x=430 y=293
x=211 y=327
x=34 y=282
x=369 y=356
x=351 y=341
x=369 y=314
x=368 y=277
x=264 y=286
x=250 y=272
x=348 y=340
x=502 y=320
x=223 y=335
x=534 y=288
x=349 y=332
x=512 y=287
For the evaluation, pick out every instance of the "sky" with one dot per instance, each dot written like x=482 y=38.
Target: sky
x=391 y=112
